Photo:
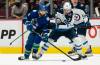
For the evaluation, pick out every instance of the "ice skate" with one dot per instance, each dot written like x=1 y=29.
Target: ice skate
x=36 y=56
x=89 y=52
x=72 y=52
x=22 y=58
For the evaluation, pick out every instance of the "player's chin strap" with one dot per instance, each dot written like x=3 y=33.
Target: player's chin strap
x=74 y=59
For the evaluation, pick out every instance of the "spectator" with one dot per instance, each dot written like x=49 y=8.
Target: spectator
x=35 y=5
x=11 y=2
x=19 y=10
x=58 y=5
x=29 y=5
x=97 y=10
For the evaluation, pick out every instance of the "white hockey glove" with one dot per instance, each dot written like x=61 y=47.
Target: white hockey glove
x=60 y=16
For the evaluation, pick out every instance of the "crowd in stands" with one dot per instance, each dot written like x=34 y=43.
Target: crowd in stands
x=18 y=8
x=97 y=8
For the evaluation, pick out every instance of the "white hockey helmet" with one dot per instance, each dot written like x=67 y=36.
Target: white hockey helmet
x=67 y=6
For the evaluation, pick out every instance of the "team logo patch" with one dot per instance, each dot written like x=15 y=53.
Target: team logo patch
x=76 y=17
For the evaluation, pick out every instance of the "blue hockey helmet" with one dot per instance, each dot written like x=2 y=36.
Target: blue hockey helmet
x=42 y=10
x=42 y=7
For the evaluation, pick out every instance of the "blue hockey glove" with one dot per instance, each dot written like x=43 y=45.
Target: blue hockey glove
x=30 y=27
x=45 y=37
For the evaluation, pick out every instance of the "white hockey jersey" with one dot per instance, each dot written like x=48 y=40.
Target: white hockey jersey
x=79 y=16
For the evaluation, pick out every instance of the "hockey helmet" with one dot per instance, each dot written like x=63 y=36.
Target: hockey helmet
x=42 y=7
x=67 y=5
x=42 y=10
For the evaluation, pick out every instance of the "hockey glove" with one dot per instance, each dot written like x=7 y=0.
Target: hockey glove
x=31 y=27
x=45 y=37
x=81 y=25
x=88 y=25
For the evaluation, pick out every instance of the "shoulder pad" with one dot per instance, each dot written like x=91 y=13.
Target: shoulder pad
x=47 y=19
x=34 y=11
x=81 y=5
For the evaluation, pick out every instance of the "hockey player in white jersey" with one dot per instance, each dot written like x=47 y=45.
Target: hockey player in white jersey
x=65 y=27
x=81 y=12
x=81 y=23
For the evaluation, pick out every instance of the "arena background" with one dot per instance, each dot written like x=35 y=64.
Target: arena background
x=10 y=28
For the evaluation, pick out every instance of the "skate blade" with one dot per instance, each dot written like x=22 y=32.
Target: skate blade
x=23 y=59
x=73 y=54
x=89 y=55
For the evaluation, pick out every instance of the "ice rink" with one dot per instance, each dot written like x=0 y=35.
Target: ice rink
x=47 y=59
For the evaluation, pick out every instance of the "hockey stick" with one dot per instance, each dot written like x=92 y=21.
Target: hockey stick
x=17 y=37
x=74 y=59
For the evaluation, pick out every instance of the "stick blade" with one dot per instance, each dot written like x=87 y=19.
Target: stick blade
x=10 y=43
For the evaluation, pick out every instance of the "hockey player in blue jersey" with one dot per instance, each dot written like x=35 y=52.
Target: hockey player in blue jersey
x=37 y=21
x=65 y=28
x=82 y=31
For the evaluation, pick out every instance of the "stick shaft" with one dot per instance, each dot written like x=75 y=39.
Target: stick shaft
x=17 y=37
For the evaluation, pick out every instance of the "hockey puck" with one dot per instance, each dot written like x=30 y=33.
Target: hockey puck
x=63 y=60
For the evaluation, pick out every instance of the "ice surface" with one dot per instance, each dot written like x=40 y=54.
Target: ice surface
x=48 y=59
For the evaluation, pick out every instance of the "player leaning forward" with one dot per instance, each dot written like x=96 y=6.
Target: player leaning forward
x=36 y=20
x=65 y=28
x=81 y=16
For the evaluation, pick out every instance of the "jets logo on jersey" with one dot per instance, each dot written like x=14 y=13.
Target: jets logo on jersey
x=76 y=17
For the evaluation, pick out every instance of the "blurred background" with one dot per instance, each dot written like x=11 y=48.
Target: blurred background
x=7 y=7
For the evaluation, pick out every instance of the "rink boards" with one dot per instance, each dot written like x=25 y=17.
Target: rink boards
x=11 y=29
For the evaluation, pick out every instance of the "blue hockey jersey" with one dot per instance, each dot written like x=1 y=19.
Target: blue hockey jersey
x=40 y=23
